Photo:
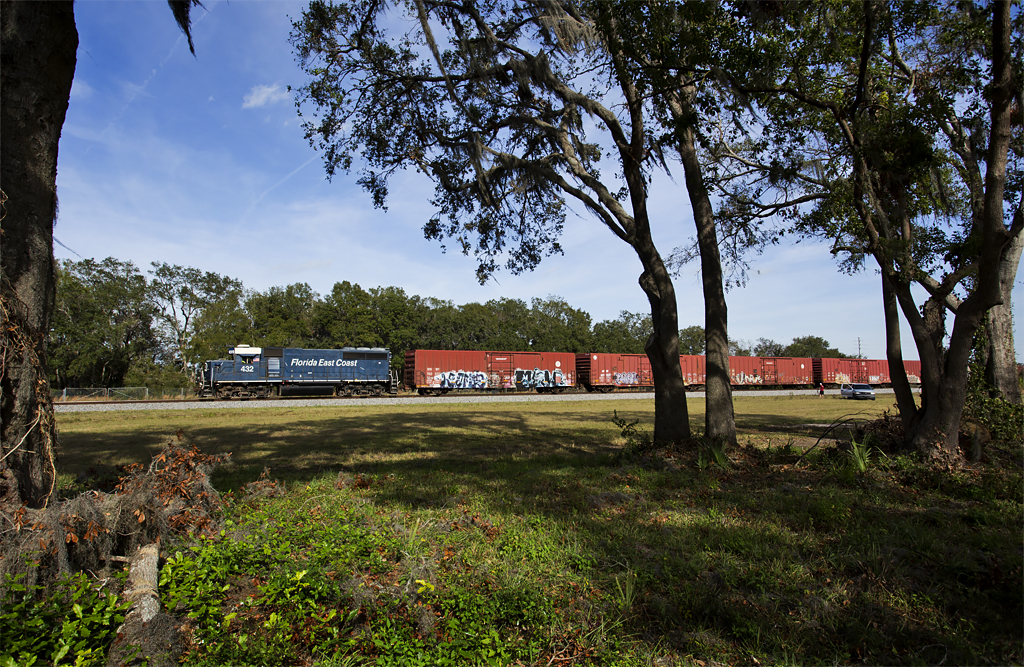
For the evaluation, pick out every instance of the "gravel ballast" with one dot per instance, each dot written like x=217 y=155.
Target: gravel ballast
x=404 y=400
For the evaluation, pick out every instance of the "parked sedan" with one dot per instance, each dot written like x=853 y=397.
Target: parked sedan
x=857 y=391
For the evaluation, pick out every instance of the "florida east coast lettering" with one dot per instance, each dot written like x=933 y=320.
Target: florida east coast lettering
x=323 y=362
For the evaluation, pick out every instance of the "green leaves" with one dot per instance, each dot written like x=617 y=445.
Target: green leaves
x=486 y=99
x=193 y=306
x=103 y=324
x=75 y=622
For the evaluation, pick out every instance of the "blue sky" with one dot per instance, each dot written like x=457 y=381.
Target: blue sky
x=200 y=161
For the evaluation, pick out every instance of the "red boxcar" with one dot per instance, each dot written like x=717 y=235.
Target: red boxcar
x=440 y=371
x=604 y=372
x=694 y=368
x=875 y=370
x=913 y=369
x=445 y=369
x=845 y=371
x=745 y=371
x=543 y=371
x=868 y=371
x=787 y=370
x=833 y=371
x=770 y=371
x=601 y=371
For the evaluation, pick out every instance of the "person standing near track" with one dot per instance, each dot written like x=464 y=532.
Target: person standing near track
x=821 y=389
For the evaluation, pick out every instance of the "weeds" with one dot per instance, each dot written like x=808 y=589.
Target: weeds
x=637 y=440
x=73 y=623
x=859 y=456
x=626 y=587
x=854 y=462
x=718 y=455
x=712 y=454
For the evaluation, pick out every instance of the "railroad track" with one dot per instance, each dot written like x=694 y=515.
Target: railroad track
x=401 y=399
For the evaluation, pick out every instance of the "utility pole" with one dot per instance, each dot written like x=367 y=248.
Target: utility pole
x=859 y=355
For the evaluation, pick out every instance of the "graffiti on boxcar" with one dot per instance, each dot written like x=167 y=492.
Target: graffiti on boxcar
x=461 y=380
x=629 y=378
x=746 y=378
x=527 y=379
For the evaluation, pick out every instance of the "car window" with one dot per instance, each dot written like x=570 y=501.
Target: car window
x=862 y=386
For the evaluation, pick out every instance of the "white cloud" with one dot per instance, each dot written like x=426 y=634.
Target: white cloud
x=80 y=90
x=262 y=95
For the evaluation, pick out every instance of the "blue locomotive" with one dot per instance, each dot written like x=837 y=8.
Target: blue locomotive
x=261 y=372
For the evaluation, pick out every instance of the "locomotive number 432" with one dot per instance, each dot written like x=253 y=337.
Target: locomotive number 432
x=248 y=369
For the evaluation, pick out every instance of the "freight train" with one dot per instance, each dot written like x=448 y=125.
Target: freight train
x=261 y=372
x=441 y=371
x=254 y=372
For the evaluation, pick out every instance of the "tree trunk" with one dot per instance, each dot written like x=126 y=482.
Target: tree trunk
x=671 y=417
x=1001 y=365
x=719 y=418
x=894 y=355
x=39 y=45
x=938 y=433
x=927 y=432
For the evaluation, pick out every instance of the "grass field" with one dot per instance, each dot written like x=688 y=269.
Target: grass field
x=535 y=534
x=299 y=443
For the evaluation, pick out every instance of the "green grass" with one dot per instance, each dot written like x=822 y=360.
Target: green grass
x=527 y=534
x=301 y=443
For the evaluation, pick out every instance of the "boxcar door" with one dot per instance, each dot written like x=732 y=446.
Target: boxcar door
x=500 y=371
x=527 y=369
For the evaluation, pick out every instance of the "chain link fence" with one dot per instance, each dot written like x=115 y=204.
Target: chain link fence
x=121 y=393
x=102 y=394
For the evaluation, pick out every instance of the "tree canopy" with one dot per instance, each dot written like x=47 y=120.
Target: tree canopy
x=103 y=324
x=188 y=301
x=508 y=108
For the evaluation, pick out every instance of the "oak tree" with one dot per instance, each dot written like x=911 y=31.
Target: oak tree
x=283 y=316
x=691 y=339
x=901 y=117
x=627 y=334
x=507 y=107
x=192 y=304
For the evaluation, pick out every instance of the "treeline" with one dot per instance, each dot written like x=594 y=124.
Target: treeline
x=116 y=326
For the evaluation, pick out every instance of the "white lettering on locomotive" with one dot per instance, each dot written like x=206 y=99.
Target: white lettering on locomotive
x=337 y=363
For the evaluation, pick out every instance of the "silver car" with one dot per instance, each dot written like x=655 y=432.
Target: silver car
x=857 y=391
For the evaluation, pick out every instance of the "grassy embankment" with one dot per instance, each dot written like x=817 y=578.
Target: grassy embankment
x=534 y=534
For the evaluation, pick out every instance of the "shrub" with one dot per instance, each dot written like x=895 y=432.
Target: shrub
x=75 y=622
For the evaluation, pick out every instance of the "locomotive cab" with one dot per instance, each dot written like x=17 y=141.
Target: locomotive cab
x=260 y=372
x=244 y=375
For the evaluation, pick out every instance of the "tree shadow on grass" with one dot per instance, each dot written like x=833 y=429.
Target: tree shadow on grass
x=790 y=563
x=298 y=450
x=783 y=563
